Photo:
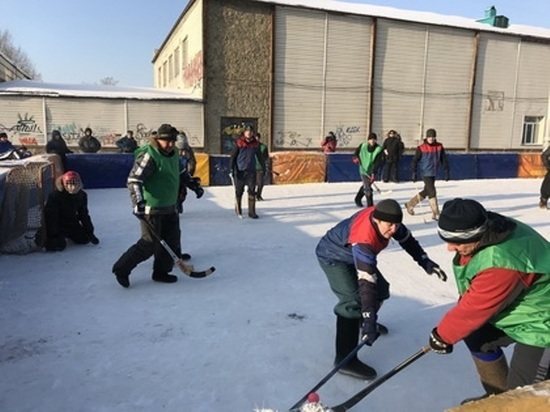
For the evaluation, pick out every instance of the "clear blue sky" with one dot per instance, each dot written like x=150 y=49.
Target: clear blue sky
x=83 y=41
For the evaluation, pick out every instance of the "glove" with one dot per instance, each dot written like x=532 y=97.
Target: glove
x=369 y=329
x=431 y=267
x=372 y=178
x=413 y=177
x=437 y=344
x=355 y=160
x=199 y=191
x=139 y=210
x=93 y=239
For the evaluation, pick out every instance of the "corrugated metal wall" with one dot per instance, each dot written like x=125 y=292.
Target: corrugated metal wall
x=322 y=69
x=22 y=118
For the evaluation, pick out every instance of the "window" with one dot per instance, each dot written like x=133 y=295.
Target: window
x=170 y=67
x=184 y=53
x=164 y=73
x=159 y=77
x=533 y=128
x=177 y=61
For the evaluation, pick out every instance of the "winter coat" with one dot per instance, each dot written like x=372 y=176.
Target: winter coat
x=126 y=145
x=89 y=144
x=245 y=154
x=393 y=149
x=497 y=284
x=356 y=241
x=64 y=212
x=58 y=146
x=329 y=144
x=155 y=179
x=6 y=146
x=430 y=158
x=545 y=156
x=264 y=156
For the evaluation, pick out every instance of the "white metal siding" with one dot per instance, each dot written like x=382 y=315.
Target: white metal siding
x=143 y=117
x=448 y=78
x=398 y=79
x=495 y=74
x=71 y=116
x=347 y=79
x=298 y=66
x=22 y=118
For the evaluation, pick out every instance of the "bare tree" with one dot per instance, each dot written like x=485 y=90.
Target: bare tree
x=108 y=81
x=17 y=56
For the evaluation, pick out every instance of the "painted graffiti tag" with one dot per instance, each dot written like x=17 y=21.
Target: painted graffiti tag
x=291 y=139
x=346 y=134
x=192 y=73
x=25 y=124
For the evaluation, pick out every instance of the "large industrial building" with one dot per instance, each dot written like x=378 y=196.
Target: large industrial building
x=297 y=69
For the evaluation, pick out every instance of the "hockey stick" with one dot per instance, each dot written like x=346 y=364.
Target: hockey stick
x=343 y=362
x=385 y=192
x=355 y=399
x=189 y=270
x=236 y=203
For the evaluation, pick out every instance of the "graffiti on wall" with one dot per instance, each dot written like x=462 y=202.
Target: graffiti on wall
x=25 y=131
x=291 y=139
x=193 y=72
x=346 y=134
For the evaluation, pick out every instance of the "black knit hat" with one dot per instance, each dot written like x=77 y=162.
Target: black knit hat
x=431 y=133
x=372 y=136
x=388 y=210
x=167 y=132
x=462 y=221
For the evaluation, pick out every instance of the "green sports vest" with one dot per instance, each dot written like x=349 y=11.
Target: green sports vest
x=526 y=319
x=161 y=189
x=367 y=158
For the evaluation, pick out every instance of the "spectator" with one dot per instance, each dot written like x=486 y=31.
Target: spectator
x=127 y=144
x=88 y=143
x=545 y=186
x=393 y=149
x=7 y=149
x=186 y=152
x=58 y=146
x=66 y=214
x=329 y=143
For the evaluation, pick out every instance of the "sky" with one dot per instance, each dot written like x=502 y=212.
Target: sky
x=85 y=41
x=256 y=334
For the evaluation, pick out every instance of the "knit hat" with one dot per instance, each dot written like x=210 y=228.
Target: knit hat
x=372 y=136
x=431 y=133
x=56 y=133
x=167 y=132
x=388 y=210
x=462 y=221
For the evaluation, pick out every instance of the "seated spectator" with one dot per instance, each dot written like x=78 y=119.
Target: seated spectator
x=127 y=144
x=7 y=149
x=58 y=146
x=88 y=143
x=329 y=143
x=66 y=214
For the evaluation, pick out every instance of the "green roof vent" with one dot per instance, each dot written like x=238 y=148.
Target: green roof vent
x=492 y=19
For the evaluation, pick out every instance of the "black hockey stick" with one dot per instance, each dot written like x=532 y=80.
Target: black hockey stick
x=343 y=362
x=236 y=202
x=188 y=270
x=355 y=399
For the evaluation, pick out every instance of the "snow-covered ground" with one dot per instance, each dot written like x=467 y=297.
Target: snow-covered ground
x=258 y=333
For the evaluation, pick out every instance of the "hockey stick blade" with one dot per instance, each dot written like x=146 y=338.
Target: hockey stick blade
x=190 y=271
x=355 y=399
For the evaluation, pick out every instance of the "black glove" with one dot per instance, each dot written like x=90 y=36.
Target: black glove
x=93 y=239
x=438 y=345
x=369 y=328
x=139 y=210
x=199 y=191
x=413 y=177
x=431 y=267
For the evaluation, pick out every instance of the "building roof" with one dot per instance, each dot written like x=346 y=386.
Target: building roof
x=34 y=88
x=413 y=16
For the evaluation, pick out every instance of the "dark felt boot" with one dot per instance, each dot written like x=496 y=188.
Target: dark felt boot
x=164 y=277
x=359 y=196
x=347 y=339
x=252 y=207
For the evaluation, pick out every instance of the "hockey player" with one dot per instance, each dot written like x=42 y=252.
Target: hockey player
x=154 y=184
x=348 y=256
x=369 y=157
x=66 y=214
x=430 y=155
x=502 y=271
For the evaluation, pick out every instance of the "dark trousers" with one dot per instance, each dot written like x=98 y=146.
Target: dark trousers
x=545 y=186
x=260 y=175
x=342 y=278
x=527 y=363
x=243 y=179
x=58 y=242
x=391 y=172
x=167 y=227
x=429 y=187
